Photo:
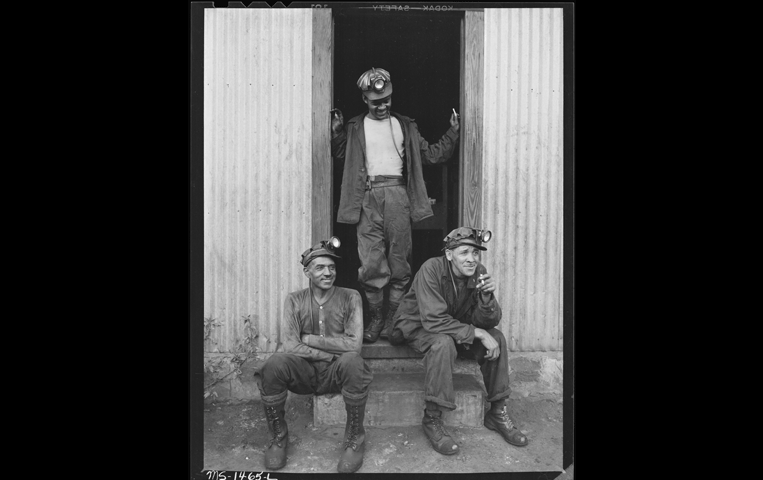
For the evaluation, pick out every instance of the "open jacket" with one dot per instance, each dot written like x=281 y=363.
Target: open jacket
x=432 y=304
x=349 y=147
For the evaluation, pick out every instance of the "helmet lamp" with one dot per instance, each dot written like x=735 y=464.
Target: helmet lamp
x=325 y=247
x=467 y=236
x=379 y=85
x=333 y=243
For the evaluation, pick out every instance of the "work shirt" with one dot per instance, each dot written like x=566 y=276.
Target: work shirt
x=385 y=151
x=434 y=305
x=333 y=328
x=349 y=148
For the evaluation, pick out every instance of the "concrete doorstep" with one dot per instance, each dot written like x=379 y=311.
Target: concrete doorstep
x=236 y=435
x=531 y=373
x=397 y=399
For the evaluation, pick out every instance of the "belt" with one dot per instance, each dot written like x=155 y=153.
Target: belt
x=382 y=181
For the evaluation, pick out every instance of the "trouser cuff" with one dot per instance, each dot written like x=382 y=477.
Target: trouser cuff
x=499 y=396
x=395 y=296
x=439 y=401
x=375 y=298
x=354 y=398
x=273 y=400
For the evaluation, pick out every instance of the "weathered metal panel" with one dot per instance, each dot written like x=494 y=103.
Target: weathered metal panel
x=523 y=171
x=257 y=167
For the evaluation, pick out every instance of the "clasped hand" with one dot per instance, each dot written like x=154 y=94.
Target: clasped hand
x=492 y=348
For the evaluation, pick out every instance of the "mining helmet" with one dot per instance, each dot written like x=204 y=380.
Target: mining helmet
x=467 y=236
x=324 y=249
x=375 y=83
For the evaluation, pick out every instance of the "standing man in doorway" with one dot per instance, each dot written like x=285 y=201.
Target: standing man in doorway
x=383 y=191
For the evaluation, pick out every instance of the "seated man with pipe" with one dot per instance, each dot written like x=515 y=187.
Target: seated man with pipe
x=451 y=310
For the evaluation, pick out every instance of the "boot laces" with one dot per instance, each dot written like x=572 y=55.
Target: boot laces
x=352 y=439
x=503 y=416
x=376 y=316
x=439 y=427
x=272 y=413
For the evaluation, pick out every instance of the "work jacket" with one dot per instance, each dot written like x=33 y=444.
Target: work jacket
x=433 y=304
x=349 y=148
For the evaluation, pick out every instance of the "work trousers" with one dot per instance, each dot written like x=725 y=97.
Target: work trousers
x=384 y=243
x=440 y=353
x=283 y=372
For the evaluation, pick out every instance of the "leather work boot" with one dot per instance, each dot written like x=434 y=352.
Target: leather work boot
x=388 y=321
x=275 y=451
x=354 y=439
x=371 y=333
x=438 y=436
x=498 y=420
x=396 y=337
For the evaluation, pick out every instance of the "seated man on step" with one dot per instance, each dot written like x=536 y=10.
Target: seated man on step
x=451 y=310
x=323 y=335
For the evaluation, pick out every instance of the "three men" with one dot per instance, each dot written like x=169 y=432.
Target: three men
x=451 y=310
x=383 y=191
x=322 y=329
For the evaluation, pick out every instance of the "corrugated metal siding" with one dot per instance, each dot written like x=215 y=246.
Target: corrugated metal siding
x=522 y=171
x=257 y=166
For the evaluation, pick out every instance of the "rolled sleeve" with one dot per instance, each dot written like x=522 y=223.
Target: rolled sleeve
x=438 y=152
x=339 y=145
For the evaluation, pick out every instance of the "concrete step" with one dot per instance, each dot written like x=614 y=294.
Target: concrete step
x=397 y=399
x=382 y=357
x=530 y=373
x=383 y=349
x=385 y=358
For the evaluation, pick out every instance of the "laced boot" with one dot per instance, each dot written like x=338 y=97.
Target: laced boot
x=354 y=439
x=435 y=430
x=387 y=330
x=275 y=451
x=371 y=333
x=498 y=419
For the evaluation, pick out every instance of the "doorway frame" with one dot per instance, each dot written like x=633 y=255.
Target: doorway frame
x=470 y=144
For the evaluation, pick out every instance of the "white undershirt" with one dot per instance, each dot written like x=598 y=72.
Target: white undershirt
x=383 y=159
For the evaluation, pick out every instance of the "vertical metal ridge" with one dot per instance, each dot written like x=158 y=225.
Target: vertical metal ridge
x=522 y=171
x=257 y=166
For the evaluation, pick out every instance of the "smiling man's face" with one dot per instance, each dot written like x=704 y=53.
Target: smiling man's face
x=322 y=272
x=463 y=260
x=379 y=109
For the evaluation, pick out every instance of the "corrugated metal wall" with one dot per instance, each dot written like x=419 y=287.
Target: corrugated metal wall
x=257 y=166
x=522 y=171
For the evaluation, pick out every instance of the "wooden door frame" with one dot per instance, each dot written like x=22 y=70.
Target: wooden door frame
x=323 y=98
x=471 y=97
x=470 y=166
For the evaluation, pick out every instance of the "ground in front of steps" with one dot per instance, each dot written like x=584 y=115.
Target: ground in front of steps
x=235 y=436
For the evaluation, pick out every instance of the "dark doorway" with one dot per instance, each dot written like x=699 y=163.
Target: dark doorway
x=422 y=53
